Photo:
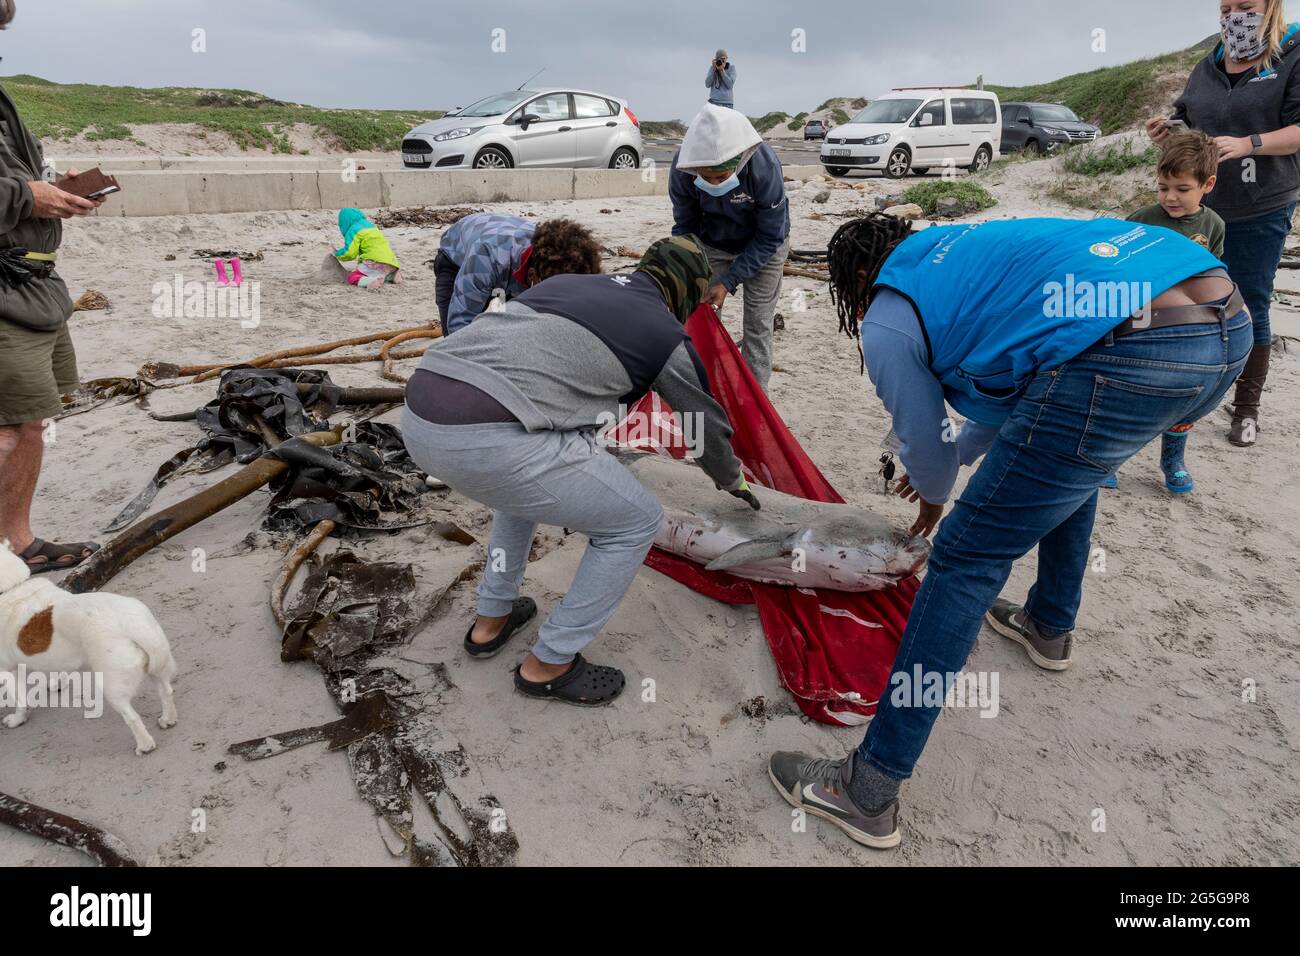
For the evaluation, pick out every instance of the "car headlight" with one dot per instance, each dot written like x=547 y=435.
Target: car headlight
x=1053 y=131
x=457 y=133
x=876 y=140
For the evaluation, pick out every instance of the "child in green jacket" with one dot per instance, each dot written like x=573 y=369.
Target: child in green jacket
x=365 y=252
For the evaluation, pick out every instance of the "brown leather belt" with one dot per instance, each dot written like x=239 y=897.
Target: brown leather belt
x=1182 y=315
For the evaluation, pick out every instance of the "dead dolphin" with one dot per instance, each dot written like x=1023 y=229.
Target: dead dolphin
x=791 y=541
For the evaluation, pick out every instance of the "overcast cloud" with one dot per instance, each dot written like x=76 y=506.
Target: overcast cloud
x=426 y=55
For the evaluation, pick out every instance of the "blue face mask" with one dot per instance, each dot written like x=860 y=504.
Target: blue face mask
x=724 y=187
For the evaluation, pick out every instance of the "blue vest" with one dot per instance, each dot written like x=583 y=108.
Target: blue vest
x=1001 y=301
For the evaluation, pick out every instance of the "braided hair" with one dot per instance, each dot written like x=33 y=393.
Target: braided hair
x=860 y=246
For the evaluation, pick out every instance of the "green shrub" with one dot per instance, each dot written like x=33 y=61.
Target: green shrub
x=63 y=110
x=927 y=195
x=1109 y=160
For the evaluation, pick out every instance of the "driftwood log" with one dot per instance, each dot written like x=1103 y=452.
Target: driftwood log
x=269 y=360
x=104 y=848
x=152 y=530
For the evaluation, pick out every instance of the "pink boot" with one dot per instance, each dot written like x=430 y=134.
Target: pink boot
x=221 y=272
x=237 y=269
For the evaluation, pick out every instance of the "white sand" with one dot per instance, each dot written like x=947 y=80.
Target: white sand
x=1199 y=594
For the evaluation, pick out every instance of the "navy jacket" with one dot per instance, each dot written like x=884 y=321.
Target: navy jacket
x=752 y=221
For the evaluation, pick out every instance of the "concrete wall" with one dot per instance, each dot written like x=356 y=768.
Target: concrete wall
x=173 y=192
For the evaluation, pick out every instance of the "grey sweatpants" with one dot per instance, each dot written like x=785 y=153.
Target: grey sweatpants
x=762 y=292
x=558 y=478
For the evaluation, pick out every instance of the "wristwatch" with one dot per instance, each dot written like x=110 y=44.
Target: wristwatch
x=1257 y=141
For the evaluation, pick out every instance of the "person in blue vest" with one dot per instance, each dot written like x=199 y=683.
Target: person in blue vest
x=1066 y=346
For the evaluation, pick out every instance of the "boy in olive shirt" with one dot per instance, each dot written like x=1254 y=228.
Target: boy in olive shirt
x=1187 y=172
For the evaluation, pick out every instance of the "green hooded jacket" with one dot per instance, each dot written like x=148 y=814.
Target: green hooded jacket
x=42 y=304
x=363 y=241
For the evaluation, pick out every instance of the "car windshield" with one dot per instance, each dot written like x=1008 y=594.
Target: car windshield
x=888 y=111
x=1053 y=114
x=495 y=104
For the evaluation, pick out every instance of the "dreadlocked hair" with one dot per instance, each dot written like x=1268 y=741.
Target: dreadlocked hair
x=861 y=245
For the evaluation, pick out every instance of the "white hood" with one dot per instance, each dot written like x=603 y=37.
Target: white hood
x=716 y=135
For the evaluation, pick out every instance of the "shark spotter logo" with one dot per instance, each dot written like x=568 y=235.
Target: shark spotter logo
x=1104 y=250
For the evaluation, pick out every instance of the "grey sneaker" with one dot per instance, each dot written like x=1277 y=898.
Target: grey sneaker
x=1010 y=620
x=820 y=787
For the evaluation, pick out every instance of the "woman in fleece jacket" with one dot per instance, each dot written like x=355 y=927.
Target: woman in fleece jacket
x=1246 y=95
x=506 y=410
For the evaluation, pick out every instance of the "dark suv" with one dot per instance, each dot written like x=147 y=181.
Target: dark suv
x=815 y=129
x=1041 y=127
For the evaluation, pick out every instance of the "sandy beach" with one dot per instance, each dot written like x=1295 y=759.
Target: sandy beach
x=1198 y=595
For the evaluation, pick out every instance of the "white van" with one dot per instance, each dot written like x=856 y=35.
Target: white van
x=917 y=129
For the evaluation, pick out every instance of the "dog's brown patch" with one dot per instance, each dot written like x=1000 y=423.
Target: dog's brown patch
x=37 y=634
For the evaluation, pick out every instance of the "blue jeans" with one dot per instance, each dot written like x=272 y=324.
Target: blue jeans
x=1072 y=427
x=1251 y=251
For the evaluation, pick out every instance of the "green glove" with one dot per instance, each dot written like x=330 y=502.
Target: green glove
x=744 y=494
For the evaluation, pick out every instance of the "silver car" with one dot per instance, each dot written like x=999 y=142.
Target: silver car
x=529 y=128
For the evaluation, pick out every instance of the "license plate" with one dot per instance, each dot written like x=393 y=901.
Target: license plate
x=415 y=158
x=839 y=152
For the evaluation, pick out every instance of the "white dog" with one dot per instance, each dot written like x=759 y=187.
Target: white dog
x=47 y=629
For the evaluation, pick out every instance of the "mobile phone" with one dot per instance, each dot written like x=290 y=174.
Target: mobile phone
x=106 y=191
x=1176 y=125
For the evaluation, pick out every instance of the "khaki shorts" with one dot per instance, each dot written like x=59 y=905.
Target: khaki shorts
x=35 y=369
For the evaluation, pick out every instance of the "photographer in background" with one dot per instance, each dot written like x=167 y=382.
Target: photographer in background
x=721 y=80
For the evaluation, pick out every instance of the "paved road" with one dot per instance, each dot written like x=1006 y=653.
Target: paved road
x=795 y=153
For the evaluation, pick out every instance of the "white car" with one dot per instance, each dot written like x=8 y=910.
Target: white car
x=918 y=129
x=529 y=128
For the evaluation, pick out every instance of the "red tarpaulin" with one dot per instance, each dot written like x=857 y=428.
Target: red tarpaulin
x=833 y=650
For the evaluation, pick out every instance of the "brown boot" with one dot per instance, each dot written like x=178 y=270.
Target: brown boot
x=1250 y=388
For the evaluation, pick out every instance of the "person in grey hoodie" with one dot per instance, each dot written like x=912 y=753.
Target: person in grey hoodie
x=506 y=412
x=721 y=80
x=1245 y=94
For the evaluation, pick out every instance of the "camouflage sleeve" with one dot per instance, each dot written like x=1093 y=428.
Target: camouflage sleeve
x=684 y=385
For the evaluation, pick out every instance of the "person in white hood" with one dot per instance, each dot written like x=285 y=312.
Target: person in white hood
x=727 y=188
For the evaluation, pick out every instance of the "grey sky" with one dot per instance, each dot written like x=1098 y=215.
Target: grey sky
x=403 y=53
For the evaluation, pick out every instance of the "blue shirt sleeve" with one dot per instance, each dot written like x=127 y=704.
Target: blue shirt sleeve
x=686 y=204
x=975 y=439
x=773 y=219
x=898 y=367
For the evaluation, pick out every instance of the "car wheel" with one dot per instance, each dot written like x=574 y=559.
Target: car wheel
x=837 y=170
x=489 y=157
x=983 y=158
x=623 y=158
x=1035 y=146
x=900 y=160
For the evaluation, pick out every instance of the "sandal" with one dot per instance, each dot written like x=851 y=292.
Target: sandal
x=44 y=556
x=520 y=614
x=588 y=685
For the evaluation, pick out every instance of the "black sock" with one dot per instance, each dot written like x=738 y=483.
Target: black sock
x=870 y=789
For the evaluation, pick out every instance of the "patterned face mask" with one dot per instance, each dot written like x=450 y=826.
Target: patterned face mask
x=1243 y=36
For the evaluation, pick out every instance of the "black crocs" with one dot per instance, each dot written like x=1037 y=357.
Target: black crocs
x=585 y=684
x=520 y=614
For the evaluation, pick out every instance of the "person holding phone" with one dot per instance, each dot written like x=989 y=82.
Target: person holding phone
x=37 y=361
x=721 y=80
x=1245 y=94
